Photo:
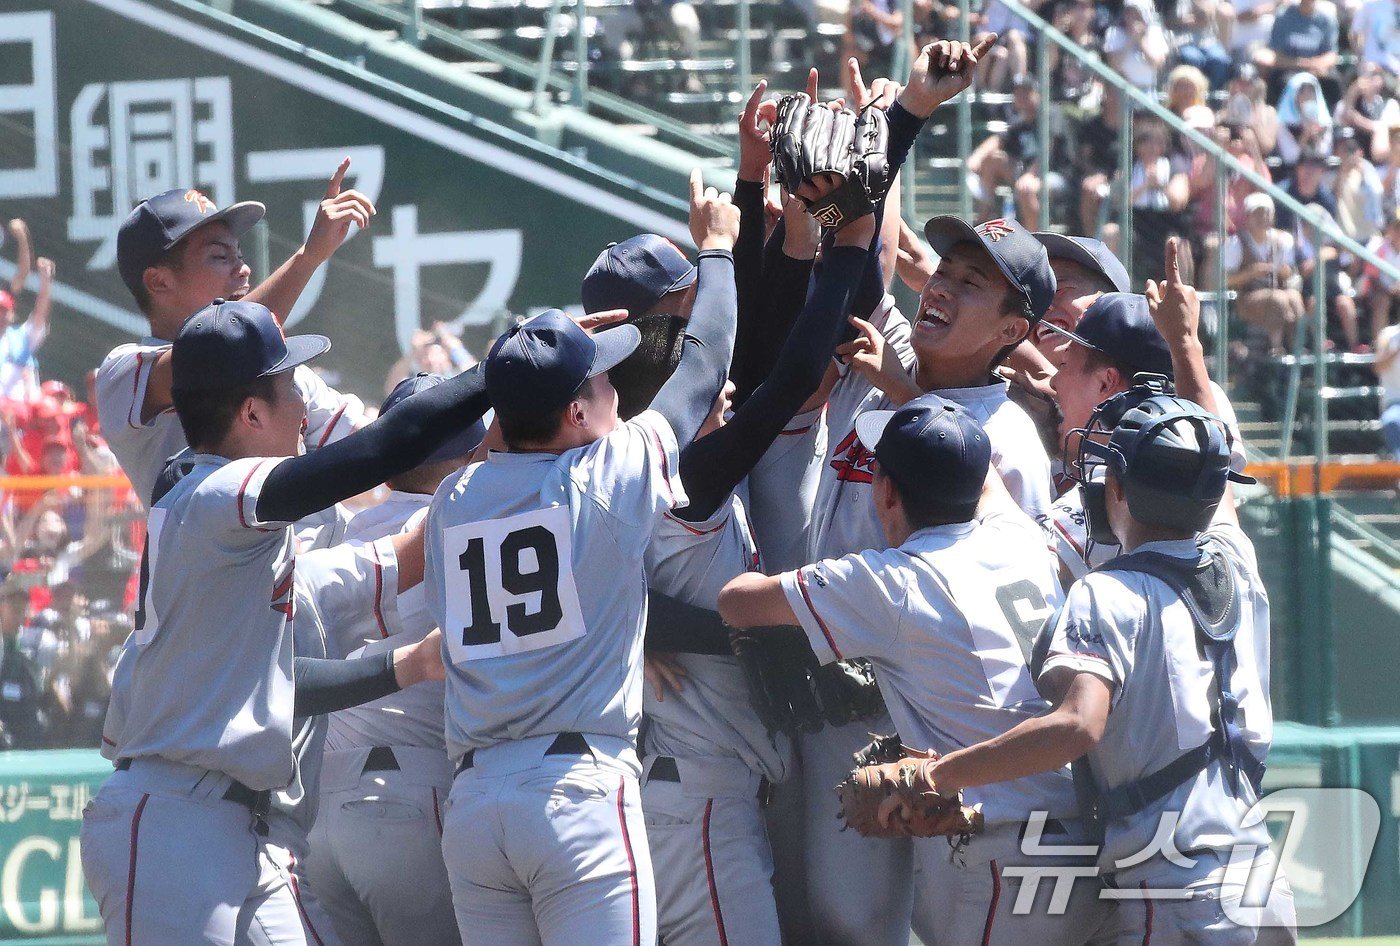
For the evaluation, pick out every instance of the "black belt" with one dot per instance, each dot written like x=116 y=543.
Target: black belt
x=566 y=743
x=381 y=759
x=664 y=769
x=237 y=792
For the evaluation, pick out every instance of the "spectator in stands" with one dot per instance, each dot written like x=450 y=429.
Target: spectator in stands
x=1370 y=111
x=872 y=31
x=1375 y=34
x=1307 y=186
x=1136 y=45
x=1359 y=191
x=1304 y=38
x=1010 y=157
x=1010 y=57
x=1262 y=266
x=1187 y=87
x=1337 y=287
x=19 y=370
x=1199 y=26
x=1387 y=368
x=1390 y=174
x=82 y=682
x=1379 y=290
x=1304 y=120
x=1248 y=107
x=1160 y=191
x=24 y=254
x=1096 y=159
x=438 y=350
x=22 y=720
x=1073 y=82
x=1253 y=23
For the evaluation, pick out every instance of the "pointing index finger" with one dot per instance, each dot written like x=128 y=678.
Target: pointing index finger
x=984 y=44
x=1174 y=261
x=333 y=188
x=812 y=84
x=751 y=109
x=697 y=185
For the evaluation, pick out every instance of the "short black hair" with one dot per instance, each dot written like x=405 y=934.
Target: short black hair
x=172 y=258
x=641 y=374
x=1096 y=359
x=206 y=416
x=925 y=508
x=530 y=428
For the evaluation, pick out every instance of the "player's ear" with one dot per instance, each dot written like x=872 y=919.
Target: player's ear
x=158 y=280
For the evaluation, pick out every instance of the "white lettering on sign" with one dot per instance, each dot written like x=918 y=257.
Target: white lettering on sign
x=43 y=915
x=135 y=139
x=47 y=920
x=406 y=251
x=35 y=99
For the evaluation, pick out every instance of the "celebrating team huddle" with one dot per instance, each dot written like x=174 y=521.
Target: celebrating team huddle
x=605 y=666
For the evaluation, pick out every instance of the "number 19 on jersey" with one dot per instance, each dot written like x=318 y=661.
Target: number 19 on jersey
x=510 y=585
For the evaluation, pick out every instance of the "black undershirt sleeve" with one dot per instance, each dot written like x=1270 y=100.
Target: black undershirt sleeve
x=397 y=442
x=687 y=396
x=679 y=628
x=327 y=685
x=712 y=467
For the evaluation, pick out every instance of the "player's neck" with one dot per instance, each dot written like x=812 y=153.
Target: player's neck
x=940 y=375
x=165 y=325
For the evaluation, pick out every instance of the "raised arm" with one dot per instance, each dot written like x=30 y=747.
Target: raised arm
x=397 y=442
x=280 y=291
x=24 y=255
x=686 y=398
x=38 y=324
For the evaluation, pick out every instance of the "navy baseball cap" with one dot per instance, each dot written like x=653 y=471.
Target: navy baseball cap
x=1119 y=325
x=635 y=274
x=1091 y=254
x=1020 y=256
x=459 y=445
x=540 y=363
x=158 y=223
x=930 y=444
x=226 y=344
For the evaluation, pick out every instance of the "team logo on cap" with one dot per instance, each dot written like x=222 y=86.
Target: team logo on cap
x=994 y=230
x=830 y=216
x=199 y=200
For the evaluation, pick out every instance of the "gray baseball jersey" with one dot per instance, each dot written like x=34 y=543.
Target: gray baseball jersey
x=143 y=447
x=534 y=572
x=211 y=680
x=1132 y=631
x=710 y=714
x=947 y=619
x=783 y=491
x=413 y=716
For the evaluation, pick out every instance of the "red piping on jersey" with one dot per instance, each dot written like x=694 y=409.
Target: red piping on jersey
x=108 y=741
x=296 y=896
x=242 y=520
x=693 y=530
x=437 y=813
x=807 y=598
x=330 y=428
x=1148 y=908
x=135 y=387
x=378 y=600
x=796 y=431
x=992 y=909
x=665 y=467
x=1068 y=538
x=631 y=864
x=131 y=866
x=710 y=873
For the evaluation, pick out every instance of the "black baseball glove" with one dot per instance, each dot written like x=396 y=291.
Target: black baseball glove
x=811 y=139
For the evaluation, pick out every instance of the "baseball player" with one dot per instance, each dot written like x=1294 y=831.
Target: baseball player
x=535 y=571
x=176 y=252
x=1158 y=668
x=1084 y=270
x=376 y=850
x=208 y=719
x=946 y=613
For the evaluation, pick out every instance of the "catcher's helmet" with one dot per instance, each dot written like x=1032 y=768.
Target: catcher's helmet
x=1172 y=457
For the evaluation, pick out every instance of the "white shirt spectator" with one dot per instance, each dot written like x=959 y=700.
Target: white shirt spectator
x=1378 y=24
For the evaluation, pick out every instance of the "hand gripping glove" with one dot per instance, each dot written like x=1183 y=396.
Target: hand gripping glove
x=899 y=799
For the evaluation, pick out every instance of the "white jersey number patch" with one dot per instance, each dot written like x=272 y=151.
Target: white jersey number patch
x=510 y=585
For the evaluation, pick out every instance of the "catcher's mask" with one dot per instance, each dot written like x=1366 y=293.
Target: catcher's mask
x=1171 y=455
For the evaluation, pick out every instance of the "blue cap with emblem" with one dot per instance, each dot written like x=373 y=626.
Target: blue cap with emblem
x=459 y=445
x=1093 y=255
x=540 y=363
x=1120 y=325
x=1017 y=253
x=930 y=444
x=635 y=274
x=156 y=224
x=227 y=344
